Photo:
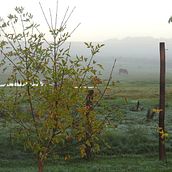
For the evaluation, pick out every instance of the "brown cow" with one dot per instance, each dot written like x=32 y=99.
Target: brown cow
x=123 y=71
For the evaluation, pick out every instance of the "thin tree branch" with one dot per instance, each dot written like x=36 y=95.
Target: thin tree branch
x=44 y=37
x=25 y=42
x=64 y=16
x=56 y=15
x=12 y=45
x=69 y=16
x=74 y=29
x=85 y=73
x=45 y=16
x=110 y=77
x=51 y=18
x=16 y=35
x=18 y=69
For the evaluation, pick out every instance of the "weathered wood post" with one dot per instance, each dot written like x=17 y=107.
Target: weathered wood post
x=162 y=153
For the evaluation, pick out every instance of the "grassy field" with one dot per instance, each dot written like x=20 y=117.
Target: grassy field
x=133 y=143
x=123 y=163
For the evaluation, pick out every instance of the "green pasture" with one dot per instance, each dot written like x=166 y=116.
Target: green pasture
x=130 y=145
x=123 y=163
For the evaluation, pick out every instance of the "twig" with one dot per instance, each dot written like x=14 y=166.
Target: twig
x=56 y=15
x=69 y=16
x=25 y=41
x=85 y=73
x=51 y=18
x=45 y=16
x=74 y=29
x=64 y=16
x=110 y=77
x=21 y=73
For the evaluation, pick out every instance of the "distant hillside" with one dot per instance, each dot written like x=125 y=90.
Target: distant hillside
x=139 y=55
x=135 y=47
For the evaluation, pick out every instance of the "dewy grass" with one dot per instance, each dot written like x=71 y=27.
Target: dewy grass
x=130 y=163
x=133 y=135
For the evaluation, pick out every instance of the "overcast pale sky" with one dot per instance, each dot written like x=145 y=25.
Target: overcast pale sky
x=104 y=19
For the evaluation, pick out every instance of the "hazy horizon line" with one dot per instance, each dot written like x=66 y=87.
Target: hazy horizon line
x=127 y=37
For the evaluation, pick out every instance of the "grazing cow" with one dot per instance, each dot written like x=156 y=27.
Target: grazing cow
x=123 y=71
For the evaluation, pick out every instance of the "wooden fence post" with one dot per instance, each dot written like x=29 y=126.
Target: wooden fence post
x=162 y=152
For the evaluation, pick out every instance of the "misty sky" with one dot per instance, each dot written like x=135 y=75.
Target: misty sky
x=104 y=19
